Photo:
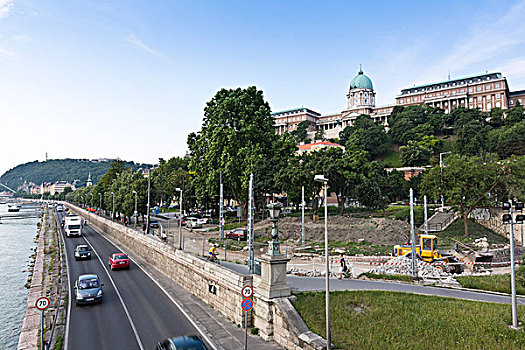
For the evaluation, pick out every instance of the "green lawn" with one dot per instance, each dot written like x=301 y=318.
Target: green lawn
x=495 y=283
x=391 y=320
x=457 y=231
x=392 y=159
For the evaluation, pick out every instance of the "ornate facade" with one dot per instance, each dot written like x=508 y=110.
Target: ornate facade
x=483 y=91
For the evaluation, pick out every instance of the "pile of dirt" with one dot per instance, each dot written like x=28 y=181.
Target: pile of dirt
x=375 y=231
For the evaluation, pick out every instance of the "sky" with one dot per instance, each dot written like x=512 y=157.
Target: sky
x=130 y=79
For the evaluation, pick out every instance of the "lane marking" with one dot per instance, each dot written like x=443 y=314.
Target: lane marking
x=118 y=294
x=66 y=336
x=164 y=290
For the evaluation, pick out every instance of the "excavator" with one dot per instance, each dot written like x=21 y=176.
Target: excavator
x=428 y=251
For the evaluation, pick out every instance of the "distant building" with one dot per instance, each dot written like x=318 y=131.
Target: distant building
x=311 y=147
x=482 y=91
x=59 y=187
x=89 y=182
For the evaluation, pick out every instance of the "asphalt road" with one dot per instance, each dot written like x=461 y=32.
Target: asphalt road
x=135 y=312
x=300 y=284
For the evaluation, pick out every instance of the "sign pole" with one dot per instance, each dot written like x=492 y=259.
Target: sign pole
x=42 y=332
x=245 y=330
x=42 y=304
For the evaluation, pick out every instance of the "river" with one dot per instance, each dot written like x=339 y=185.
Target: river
x=16 y=246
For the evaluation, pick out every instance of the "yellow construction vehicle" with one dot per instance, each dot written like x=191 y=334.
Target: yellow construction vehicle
x=428 y=251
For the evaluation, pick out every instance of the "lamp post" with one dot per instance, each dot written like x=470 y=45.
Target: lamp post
x=180 y=218
x=135 y=213
x=100 y=204
x=510 y=220
x=149 y=187
x=274 y=246
x=113 y=211
x=441 y=168
x=322 y=179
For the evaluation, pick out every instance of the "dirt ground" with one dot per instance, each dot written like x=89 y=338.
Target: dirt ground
x=375 y=231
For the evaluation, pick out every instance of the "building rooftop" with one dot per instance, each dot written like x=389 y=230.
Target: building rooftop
x=308 y=146
x=519 y=92
x=498 y=75
x=297 y=111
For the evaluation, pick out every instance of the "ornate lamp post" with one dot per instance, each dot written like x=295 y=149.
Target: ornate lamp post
x=113 y=211
x=135 y=213
x=274 y=246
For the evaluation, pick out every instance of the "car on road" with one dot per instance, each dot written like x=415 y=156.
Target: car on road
x=119 y=261
x=82 y=251
x=240 y=234
x=59 y=208
x=88 y=289
x=153 y=224
x=193 y=222
x=192 y=342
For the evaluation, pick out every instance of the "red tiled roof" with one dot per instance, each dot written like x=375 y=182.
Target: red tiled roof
x=310 y=145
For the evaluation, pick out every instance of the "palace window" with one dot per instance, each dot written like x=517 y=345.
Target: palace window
x=471 y=99
x=511 y=102
x=497 y=95
x=479 y=88
x=479 y=98
x=488 y=87
x=469 y=89
x=497 y=86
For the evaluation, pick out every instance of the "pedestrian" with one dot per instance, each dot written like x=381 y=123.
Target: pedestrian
x=164 y=236
x=342 y=267
x=144 y=228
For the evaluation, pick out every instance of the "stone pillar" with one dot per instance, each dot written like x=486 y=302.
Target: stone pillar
x=273 y=277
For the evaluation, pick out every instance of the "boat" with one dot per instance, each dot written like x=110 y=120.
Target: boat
x=13 y=207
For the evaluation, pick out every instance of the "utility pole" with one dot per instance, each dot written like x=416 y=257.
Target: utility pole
x=413 y=236
x=221 y=214
x=441 y=167
x=426 y=220
x=250 y=226
x=136 y=213
x=302 y=215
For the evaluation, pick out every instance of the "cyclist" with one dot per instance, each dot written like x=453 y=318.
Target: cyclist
x=213 y=252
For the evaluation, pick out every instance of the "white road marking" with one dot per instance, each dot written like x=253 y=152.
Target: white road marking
x=165 y=292
x=119 y=296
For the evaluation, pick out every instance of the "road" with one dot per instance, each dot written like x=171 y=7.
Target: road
x=301 y=284
x=135 y=312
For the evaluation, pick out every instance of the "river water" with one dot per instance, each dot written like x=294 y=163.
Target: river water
x=16 y=244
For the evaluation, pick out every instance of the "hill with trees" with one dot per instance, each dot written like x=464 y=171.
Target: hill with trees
x=58 y=170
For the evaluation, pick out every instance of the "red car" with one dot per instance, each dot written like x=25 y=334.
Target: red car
x=119 y=261
x=240 y=234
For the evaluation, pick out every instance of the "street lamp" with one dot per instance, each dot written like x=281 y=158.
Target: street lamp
x=113 y=211
x=91 y=201
x=322 y=179
x=274 y=246
x=180 y=219
x=441 y=167
x=136 y=212
x=508 y=220
x=149 y=187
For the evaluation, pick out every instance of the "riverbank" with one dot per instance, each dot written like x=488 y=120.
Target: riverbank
x=50 y=280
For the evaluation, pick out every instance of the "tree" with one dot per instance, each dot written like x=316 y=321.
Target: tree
x=515 y=115
x=414 y=154
x=319 y=134
x=365 y=135
x=237 y=133
x=371 y=192
x=471 y=138
x=301 y=133
x=508 y=140
x=467 y=182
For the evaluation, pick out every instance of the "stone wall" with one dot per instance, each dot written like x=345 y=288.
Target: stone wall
x=216 y=285
x=492 y=218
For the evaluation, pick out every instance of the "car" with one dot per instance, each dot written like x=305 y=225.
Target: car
x=59 y=208
x=240 y=234
x=82 y=251
x=192 y=342
x=119 y=261
x=88 y=289
x=193 y=222
x=181 y=221
x=153 y=224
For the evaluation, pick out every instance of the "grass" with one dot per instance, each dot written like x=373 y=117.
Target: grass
x=457 y=231
x=392 y=320
x=392 y=159
x=353 y=248
x=495 y=283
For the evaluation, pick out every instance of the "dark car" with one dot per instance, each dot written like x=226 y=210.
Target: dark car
x=240 y=234
x=153 y=224
x=88 y=289
x=192 y=342
x=82 y=251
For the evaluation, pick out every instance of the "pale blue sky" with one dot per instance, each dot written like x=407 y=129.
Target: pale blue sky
x=129 y=79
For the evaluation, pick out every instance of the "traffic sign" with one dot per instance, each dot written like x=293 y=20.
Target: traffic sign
x=247 y=291
x=223 y=221
x=42 y=303
x=247 y=304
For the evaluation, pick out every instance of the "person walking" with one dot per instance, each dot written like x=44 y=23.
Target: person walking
x=164 y=236
x=342 y=266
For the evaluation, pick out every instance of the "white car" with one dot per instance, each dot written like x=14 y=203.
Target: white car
x=192 y=223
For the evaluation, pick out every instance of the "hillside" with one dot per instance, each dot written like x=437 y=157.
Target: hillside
x=58 y=170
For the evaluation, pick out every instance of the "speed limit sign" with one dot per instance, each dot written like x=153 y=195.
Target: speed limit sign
x=42 y=303
x=247 y=291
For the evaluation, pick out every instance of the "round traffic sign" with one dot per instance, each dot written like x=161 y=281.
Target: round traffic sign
x=247 y=304
x=247 y=291
x=42 y=303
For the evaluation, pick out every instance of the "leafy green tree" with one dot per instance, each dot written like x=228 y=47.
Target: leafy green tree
x=496 y=117
x=467 y=182
x=301 y=133
x=237 y=132
x=365 y=135
x=515 y=115
x=431 y=143
x=508 y=140
x=471 y=138
x=319 y=134
x=371 y=192
x=414 y=154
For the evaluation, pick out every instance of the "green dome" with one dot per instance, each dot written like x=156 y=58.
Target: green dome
x=361 y=81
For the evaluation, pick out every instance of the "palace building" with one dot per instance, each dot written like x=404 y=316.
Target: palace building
x=482 y=91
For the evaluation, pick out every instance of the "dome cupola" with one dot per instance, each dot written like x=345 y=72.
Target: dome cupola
x=361 y=81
